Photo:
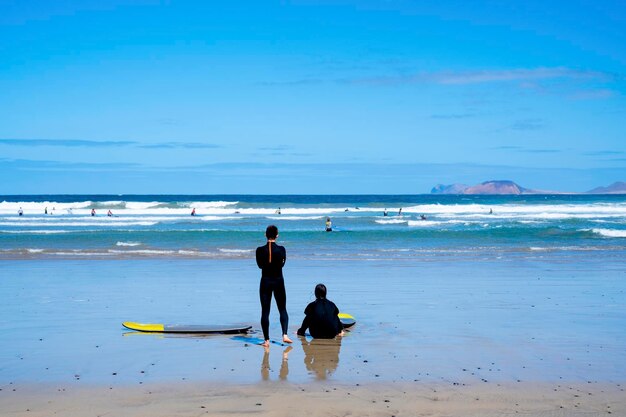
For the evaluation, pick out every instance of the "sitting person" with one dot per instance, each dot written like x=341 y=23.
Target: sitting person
x=321 y=317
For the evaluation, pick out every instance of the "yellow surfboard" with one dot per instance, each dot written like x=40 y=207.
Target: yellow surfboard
x=186 y=328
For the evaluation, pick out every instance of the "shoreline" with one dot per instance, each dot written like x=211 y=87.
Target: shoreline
x=278 y=398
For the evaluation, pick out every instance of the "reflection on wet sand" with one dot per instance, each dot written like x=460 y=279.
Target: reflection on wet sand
x=284 y=366
x=321 y=356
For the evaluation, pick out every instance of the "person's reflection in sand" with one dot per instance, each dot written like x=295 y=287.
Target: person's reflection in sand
x=284 y=366
x=321 y=356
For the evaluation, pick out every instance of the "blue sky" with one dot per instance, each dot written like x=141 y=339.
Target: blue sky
x=310 y=97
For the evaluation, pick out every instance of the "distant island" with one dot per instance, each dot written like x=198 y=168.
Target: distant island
x=615 y=188
x=506 y=187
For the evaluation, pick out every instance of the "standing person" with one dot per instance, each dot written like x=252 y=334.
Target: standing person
x=271 y=258
x=400 y=212
x=321 y=317
x=93 y=212
x=20 y=212
x=193 y=211
x=110 y=213
x=329 y=225
x=385 y=213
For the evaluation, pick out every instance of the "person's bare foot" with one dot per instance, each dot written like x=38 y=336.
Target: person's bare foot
x=286 y=339
x=266 y=344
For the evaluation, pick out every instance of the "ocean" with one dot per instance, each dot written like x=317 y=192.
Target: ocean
x=231 y=226
x=485 y=288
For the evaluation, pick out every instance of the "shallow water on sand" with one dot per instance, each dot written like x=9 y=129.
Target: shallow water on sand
x=461 y=320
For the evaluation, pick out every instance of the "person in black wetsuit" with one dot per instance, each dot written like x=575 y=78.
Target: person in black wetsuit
x=270 y=258
x=321 y=317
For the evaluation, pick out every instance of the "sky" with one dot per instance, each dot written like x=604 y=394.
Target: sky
x=310 y=97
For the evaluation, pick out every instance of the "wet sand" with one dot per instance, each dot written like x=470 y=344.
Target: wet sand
x=314 y=399
x=540 y=338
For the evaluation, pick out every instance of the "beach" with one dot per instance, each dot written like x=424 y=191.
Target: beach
x=275 y=399
x=445 y=346
x=529 y=324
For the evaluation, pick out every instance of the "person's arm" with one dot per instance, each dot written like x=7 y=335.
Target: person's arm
x=284 y=255
x=339 y=323
x=307 y=321
x=304 y=327
x=260 y=259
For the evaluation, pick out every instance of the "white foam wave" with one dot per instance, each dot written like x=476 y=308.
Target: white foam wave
x=522 y=212
x=391 y=221
x=31 y=207
x=79 y=253
x=128 y=244
x=140 y=205
x=423 y=223
x=81 y=224
x=217 y=218
x=111 y=203
x=142 y=252
x=235 y=250
x=295 y=217
x=610 y=232
x=36 y=232
x=212 y=204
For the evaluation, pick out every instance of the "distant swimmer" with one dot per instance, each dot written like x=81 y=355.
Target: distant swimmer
x=93 y=212
x=20 y=212
x=329 y=225
x=356 y=208
x=45 y=211
x=346 y=210
x=490 y=211
x=385 y=213
x=277 y=211
x=422 y=217
x=110 y=213
x=400 y=212
x=193 y=211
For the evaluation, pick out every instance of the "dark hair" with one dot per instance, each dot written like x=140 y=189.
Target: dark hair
x=320 y=291
x=271 y=232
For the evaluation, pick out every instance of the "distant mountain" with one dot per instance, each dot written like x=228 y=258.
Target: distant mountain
x=615 y=188
x=449 y=189
x=487 y=187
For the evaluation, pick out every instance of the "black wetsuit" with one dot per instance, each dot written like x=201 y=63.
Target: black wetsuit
x=322 y=320
x=272 y=281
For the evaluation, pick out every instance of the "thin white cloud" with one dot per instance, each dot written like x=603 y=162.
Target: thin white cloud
x=526 y=76
x=518 y=75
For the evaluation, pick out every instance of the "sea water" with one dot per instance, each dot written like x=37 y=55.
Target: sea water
x=230 y=226
x=483 y=289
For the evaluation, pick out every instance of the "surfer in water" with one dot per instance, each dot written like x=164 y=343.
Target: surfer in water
x=193 y=211
x=321 y=317
x=271 y=258
x=93 y=212
x=385 y=213
x=329 y=225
